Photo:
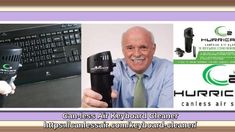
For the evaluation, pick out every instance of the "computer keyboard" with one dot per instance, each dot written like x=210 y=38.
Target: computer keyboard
x=49 y=51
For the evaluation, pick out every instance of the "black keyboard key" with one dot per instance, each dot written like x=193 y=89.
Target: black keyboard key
x=67 y=43
x=36 y=47
x=66 y=37
x=28 y=37
x=38 y=41
x=49 y=40
x=71 y=31
x=53 y=45
x=37 y=58
x=56 y=39
x=42 y=46
x=65 y=32
x=53 y=33
x=21 y=44
x=41 y=64
x=48 y=57
x=48 y=34
x=77 y=36
x=50 y=51
x=44 y=52
x=34 y=36
x=30 y=49
x=58 y=32
x=32 y=54
x=38 y=53
x=21 y=38
x=27 y=43
x=59 y=55
x=59 y=49
x=43 y=40
x=71 y=36
x=32 y=42
x=73 y=42
x=25 y=60
x=16 y=39
x=49 y=62
x=26 y=55
x=59 y=44
x=47 y=46
x=31 y=60
x=75 y=52
x=76 y=30
x=43 y=57
x=43 y=35
x=76 y=58
x=71 y=59
x=60 y=61
x=78 y=41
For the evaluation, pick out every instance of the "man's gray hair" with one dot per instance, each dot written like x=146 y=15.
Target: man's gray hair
x=139 y=28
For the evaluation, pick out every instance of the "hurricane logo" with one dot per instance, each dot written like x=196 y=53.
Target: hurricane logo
x=210 y=80
x=222 y=31
x=6 y=67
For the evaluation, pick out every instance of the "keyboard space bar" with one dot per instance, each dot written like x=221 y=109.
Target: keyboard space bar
x=48 y=73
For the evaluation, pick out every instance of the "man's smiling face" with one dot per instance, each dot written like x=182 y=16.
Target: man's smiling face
x=138 y=48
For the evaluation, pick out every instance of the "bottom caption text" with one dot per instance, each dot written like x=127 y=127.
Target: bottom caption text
x=123 y=124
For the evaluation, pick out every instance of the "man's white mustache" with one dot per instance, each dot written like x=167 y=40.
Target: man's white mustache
x=137 y=58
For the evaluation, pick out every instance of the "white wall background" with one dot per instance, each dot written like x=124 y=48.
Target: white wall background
x=107 y=37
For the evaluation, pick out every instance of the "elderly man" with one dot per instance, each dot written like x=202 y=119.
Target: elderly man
x=140 y=79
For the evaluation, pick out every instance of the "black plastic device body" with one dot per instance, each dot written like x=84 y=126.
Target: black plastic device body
x=10 y=58
x=100 y=67
x=188 y=35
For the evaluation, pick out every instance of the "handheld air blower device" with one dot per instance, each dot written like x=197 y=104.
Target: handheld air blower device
x=10 y=57
x=100 y=67
x=188 y=35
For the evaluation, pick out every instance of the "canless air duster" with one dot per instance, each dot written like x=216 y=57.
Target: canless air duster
x=188 y=35
x=10 y=57
x=100 y=67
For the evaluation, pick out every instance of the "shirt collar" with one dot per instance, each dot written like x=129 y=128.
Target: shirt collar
x=131 y=73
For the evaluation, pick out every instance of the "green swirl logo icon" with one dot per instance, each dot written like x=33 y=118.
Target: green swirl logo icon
x=6 y=67
x=222 y=31
x=210 y=80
